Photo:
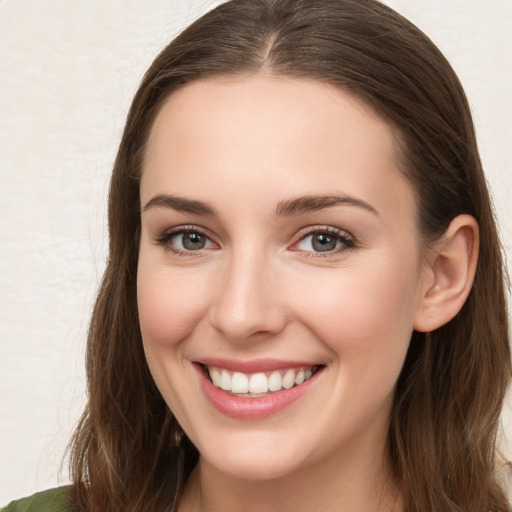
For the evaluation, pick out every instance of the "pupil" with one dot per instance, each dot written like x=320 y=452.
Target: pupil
x=323 y=242
x=193 y=241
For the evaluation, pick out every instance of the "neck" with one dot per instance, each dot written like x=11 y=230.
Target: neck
x=363 y=484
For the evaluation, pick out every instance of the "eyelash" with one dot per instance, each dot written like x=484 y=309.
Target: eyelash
x=341 y=236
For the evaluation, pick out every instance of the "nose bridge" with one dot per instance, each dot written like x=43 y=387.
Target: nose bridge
x=247 y=302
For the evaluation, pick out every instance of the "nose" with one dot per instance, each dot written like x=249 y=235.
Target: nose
x=248 y=302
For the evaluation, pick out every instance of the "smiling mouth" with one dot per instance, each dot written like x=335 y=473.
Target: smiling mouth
x=260 y=384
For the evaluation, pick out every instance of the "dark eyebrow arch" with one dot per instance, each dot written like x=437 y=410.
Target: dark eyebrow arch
x=313 y=203
x=180 y=204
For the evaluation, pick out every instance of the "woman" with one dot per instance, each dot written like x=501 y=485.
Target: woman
x=304 y=304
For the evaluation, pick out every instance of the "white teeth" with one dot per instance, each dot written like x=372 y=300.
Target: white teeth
x=275 y=382
x=225 y=381
x=289 y=379
x=239 y=383
x=258 y=383
x=215 y=376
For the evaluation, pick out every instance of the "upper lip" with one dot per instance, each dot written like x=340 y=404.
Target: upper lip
x=253 y=365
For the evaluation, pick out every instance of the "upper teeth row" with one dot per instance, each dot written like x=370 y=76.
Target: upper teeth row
x=238 y=382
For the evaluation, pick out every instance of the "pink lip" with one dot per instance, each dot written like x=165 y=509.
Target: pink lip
x=253 y=366
x=252 y=408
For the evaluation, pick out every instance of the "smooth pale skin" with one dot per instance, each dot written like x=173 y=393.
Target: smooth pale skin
x=243 y=145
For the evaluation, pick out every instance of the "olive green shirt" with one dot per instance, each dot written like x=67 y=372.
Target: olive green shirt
x=52 y=500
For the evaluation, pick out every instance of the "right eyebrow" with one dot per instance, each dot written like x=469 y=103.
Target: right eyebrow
x=180 y=204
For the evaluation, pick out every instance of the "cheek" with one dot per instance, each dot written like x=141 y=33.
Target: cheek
x=364 y=312
x=365 y=319
x=170 y=307
x=170 y=304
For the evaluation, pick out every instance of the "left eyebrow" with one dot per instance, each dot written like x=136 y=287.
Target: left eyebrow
x=313 y=203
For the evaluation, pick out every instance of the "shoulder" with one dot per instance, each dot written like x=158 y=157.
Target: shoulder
x=52 y=500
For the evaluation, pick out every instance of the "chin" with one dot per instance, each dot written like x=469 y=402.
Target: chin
x=254 y=459
x=262 y=470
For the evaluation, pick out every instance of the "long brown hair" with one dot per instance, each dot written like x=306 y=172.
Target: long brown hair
x=127 y=452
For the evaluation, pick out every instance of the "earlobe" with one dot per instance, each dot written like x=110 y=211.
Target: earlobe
x=451 y=270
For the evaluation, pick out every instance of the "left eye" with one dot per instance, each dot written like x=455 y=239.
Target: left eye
x=322 y=242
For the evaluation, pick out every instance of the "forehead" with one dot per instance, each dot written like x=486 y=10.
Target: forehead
x=212 y=109
x=288 y=136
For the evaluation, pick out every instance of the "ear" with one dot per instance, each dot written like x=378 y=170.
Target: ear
x=449 y=274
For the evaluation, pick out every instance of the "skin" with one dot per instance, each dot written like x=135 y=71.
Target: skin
x=258 y=289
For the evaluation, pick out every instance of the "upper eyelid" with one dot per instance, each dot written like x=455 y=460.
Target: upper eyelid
x=304 y=232
x=186 y=228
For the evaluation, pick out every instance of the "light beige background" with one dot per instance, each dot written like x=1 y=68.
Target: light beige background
x=68 y=70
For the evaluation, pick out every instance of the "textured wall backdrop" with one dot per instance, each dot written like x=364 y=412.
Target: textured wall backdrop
x=68 y=70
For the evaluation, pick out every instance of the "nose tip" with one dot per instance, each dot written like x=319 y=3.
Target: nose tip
x=248 y=306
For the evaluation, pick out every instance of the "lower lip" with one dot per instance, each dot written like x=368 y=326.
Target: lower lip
x=253 y=408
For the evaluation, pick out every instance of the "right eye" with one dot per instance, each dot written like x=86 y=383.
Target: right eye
x=191 y=241
x=183 y=241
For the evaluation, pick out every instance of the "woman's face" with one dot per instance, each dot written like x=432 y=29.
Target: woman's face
x=279 y=250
